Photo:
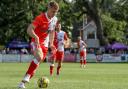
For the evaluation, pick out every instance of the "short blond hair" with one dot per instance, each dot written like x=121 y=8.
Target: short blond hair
x=79 y=38
x=53 y=4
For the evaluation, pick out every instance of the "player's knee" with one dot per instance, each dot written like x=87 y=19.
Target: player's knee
x=52 y=62
x=60 y=64
x=39 y=58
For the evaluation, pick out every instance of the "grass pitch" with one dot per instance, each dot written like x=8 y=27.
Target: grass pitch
x=94 y=76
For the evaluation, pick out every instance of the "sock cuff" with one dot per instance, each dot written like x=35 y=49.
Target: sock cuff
x=52 y=64
x=35 y=61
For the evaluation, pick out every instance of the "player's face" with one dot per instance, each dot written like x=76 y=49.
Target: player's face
x=52 y=12
x=58 y=27
x=78 y=39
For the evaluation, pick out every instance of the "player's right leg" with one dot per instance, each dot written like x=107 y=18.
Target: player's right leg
x=38 y=54
x=30 y=72
x=33 y=66
x=81 y=62
x=21 y=85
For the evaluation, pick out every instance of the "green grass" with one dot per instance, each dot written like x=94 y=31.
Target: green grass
x=94 y=76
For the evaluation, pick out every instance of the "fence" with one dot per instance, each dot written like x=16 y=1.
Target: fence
x=67 y=58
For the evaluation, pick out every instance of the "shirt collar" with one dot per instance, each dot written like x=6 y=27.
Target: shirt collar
x=46 y=14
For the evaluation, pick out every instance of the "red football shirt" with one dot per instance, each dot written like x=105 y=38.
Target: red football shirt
x=41 y=24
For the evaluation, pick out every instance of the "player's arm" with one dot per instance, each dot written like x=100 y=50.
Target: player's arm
x=38 y=52
x=78 y=44
x=32 y=34
x=51 y=40
x=52 y=33
x=66 y=39
x=31 y=28
x=84 y=44
x=51 y=37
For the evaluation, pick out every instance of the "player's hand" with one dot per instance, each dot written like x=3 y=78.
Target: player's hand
x=53 y=49
x=39 y=53
x=37 y=43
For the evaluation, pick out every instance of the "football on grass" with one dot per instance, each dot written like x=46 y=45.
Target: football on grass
x=43 y=82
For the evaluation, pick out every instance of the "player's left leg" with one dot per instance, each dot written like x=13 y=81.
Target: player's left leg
x=81 y=59
x=51 y=68
x=59 y=67
x=84 y=59
x=52 y=61
x=59 y=57
x=84 y=63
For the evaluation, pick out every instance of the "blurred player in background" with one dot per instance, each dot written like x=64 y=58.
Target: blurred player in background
x=60 y=41
x=82 y=49
x=41 y=30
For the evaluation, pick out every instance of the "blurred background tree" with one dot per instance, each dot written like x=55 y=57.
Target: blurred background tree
x=110 y=16
x=104 y=13
x=15 y=17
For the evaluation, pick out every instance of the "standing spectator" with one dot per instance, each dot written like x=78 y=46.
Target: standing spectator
x=24 y=51
x=99 y=56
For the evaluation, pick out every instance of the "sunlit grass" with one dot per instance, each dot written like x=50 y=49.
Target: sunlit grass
x=94 y=76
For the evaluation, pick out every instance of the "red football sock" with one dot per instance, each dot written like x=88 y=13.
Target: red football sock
x=32 y=69
x=51 y=69
x=84 y=62
x=58 y=70
x=81 y=62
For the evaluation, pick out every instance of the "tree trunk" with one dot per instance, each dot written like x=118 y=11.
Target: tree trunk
x=100 y=33
x=93 y=12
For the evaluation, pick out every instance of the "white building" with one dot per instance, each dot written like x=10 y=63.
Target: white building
x=89 y=34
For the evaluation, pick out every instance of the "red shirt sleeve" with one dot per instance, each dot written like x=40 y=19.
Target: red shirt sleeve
x=65 y=36
x=78 y=44
x=36 y=21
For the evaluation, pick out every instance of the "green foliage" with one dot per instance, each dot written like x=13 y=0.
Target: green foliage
x=113 y=14
x=120 y=10
x=65 y=16
x=113 y=29
x=15 y=17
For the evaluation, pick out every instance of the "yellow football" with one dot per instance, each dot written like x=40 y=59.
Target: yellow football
x=43 y=82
